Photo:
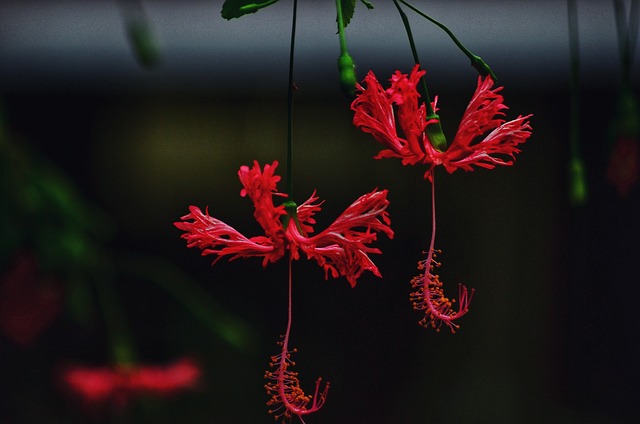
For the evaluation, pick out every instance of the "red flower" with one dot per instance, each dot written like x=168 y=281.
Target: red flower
x=29 y=300
x=120 y=383
x=341 y=249
x=374 y=113
x=623 y=170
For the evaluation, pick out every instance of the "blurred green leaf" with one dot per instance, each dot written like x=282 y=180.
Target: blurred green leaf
x=237 y=8
x=191 y=295
x=144 y=43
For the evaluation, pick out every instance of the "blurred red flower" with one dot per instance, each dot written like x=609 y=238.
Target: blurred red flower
x=120 y=383
x=29 y=300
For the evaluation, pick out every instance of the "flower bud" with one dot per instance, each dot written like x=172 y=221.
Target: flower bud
x=347 y=72
x=436 y=135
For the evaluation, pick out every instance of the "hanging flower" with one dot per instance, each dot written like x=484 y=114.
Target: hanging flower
x=374 y=114
x=376 y=111
x=120 y=383
x=341 y=249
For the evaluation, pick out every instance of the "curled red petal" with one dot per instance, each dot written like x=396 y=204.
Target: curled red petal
x=214 y=237
x=483 y=114
x=342 y=248
x=411 y=115
x=261 y=185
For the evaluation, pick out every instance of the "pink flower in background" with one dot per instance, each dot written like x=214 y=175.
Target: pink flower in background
x=342 y=249
x=483 y=138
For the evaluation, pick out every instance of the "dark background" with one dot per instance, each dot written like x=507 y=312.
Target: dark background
x=552 y=328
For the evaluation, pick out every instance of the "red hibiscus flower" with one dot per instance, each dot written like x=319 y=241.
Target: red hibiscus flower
x=374 y=113
x=120 y=383
x=341 y=249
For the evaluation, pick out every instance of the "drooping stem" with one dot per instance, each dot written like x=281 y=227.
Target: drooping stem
x=627 y=35
x=476 y=61
x=576 y=170
x=290 y=90
x=574 y=58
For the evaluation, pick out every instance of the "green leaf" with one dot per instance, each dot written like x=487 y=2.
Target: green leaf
x=236 y=8
x=348 y=6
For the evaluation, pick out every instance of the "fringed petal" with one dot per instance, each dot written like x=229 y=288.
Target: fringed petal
x=261 y=186
x=374 y=115
x=484 y=113
x=342 y=248
x=214 y=237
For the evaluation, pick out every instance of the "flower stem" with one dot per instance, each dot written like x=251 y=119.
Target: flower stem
x=627 y=35
x=340 y=19
x=434 y=130
x=290 y=103
x=576 y=169
x=346 y=67
x=476 y=61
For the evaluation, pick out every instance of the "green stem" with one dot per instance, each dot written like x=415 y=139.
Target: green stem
x=340 y=19
x=476 y=61
x=290 y=103
x=576 y=171
x=574 y=57
x=627 y=35
x=346 y=67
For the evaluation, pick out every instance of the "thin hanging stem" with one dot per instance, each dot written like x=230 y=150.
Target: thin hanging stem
x=476 y=61
x=627 y=34
x=576 y=170
x=433 y=222
x=290 y=103
x=574 y=54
